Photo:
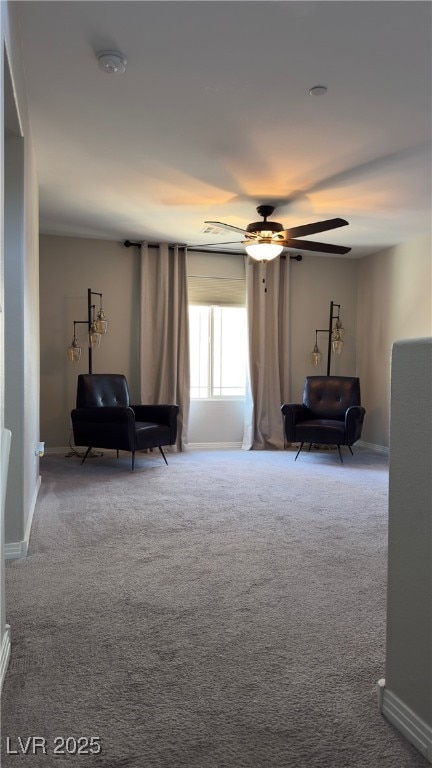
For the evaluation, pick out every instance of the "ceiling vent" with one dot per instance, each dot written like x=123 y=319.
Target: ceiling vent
x=111 y=62
x=211 y=230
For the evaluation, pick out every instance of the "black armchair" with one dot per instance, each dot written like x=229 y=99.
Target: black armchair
x=104 y=418
x=331 y=413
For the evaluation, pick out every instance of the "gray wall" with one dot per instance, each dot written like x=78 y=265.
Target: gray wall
x=409 y=595
x=4 y=639
x=14 y=330
x=315 y=282
x=19 y=337
x=383 y=297
x=394 y=302
x=21 y=285
x=68 y=267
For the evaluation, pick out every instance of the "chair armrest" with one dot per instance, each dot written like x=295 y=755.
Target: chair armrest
x=104 y=426
x=159 y=414
x=293 y=413
x=354 y=417
x=296 y=411
x=115 y=414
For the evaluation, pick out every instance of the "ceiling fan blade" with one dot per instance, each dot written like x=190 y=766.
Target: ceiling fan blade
x=228 y=226
x=215 y=245
x=313 y=229
x=309 y=245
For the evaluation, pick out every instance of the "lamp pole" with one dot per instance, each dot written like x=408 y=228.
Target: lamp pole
x=332 y=332
x=89 y=321
x=95 y=327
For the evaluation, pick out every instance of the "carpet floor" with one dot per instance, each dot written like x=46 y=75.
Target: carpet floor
x=226 y=611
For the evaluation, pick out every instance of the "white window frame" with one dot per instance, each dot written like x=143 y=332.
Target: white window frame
x=210 y=367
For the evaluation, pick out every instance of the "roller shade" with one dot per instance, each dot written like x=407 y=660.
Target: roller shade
x=222 y=291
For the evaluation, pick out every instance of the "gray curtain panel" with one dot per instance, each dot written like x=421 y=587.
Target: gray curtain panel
x=268 y=321
x=164 y=331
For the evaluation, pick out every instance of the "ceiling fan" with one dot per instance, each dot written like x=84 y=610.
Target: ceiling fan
x=265 y=240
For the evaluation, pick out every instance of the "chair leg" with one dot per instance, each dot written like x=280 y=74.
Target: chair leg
x=164 y=457
x=351 y=450
x=86 y=454
x=310 y=446
x=340 y=455
x=117 y=452
x=133 y=460
x=301 y=446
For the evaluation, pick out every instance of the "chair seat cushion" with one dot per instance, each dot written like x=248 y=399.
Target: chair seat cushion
x=327 y=431
x=149 y=435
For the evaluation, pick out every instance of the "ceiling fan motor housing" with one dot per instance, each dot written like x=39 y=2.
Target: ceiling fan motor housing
x=267 y=226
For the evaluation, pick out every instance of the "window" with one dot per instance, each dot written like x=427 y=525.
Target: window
x=218 y=349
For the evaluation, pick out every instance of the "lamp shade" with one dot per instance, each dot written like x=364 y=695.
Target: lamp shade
x=339 y=327
x=315 y=356
x=74 y=351
x=337 y=342
x=263 y=251
x=94 y=337
x=101 y=324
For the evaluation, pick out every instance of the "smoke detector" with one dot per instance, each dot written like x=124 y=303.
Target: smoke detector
x=318 y=90
x=111 y=62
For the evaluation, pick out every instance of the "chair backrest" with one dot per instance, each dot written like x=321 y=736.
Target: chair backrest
x=102 y=389
x=328 y=397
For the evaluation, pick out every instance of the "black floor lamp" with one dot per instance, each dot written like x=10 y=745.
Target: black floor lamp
x=97 y=326
x=335 y=341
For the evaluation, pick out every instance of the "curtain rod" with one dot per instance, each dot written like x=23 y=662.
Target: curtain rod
x=129 y=244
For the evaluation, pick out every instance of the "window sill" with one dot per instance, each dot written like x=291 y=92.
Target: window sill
x=227 y=399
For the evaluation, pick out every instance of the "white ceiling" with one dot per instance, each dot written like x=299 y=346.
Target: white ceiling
x=213 y=116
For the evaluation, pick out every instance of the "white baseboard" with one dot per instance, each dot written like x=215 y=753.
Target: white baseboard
x=408 y=723
x=15 y=550
x=213 y=446
x=5 y=654
x=373 y=447
x=18 y=549
x=59 y=450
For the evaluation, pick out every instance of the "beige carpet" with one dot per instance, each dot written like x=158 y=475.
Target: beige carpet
x=226 y=611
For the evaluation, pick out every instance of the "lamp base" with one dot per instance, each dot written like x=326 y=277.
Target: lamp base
x=91 y=455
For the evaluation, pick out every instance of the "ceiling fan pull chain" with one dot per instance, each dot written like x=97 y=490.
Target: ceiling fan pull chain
x=263 y=264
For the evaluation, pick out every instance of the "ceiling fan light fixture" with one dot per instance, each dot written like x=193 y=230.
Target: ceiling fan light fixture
x=263 y=251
